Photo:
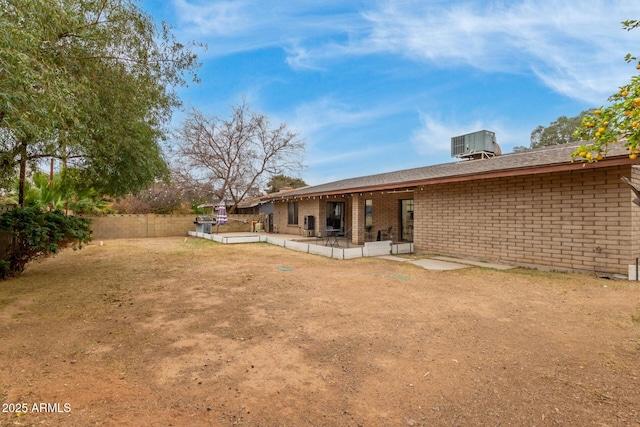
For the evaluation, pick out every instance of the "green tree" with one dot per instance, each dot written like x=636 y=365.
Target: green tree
x=89 y=82
x=278 y=182
x=616 y=123
x=560 y=131
x=43 y=194
x=46 y=194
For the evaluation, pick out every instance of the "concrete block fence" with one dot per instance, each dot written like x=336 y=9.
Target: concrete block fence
x=152 y=225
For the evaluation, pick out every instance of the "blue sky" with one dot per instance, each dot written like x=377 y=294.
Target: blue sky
x=376 y=86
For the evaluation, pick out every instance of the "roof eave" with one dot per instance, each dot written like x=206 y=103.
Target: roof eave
x=527 y=170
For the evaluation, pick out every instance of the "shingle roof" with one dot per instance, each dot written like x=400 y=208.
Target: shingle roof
x=525 y=162
x=250 y=202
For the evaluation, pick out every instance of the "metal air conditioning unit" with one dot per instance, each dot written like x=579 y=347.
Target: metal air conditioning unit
x=475 y=145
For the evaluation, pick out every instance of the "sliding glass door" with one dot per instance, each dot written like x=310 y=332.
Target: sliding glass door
x=335 y=216
x=406 y=220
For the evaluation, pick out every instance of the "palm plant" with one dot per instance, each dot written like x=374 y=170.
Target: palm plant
x=47 y=194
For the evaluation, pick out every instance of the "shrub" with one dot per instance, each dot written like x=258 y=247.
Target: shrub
x=36 y=234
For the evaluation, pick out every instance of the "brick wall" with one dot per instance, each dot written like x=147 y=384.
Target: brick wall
x=281 y=216
x=386 y=211
x=635 y=214
x=150 y=225
x=576 y=220
x=309 y=206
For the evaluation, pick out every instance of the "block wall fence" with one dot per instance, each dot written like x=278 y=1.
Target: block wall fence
x=151 y=225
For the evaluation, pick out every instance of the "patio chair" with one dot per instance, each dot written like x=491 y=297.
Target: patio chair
x=346 y=236
x=330 y=236
x=386 y=234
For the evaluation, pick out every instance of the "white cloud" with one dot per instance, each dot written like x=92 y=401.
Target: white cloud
x=298 y=58
x=575 y=48
x=245 y=25
x=328 y=114
x=330 y=120
x=221 y=18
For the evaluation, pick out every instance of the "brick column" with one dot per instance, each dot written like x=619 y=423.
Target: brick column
x=357 y=220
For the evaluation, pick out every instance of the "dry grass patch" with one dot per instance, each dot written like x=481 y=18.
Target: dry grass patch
x=168 y=332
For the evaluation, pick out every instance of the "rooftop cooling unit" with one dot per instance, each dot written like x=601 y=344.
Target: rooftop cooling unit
x=475 y=145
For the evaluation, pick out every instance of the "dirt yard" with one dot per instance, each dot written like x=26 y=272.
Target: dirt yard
x=168 y=332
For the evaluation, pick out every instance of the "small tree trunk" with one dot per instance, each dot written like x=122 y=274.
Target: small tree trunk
x=51 y=181
x=23 y=173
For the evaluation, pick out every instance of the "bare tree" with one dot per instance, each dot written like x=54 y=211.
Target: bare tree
x=236 y=155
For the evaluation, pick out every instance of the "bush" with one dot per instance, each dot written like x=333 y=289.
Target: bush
x=36 y=234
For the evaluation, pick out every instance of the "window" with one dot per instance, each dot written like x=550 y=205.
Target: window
x=293 y=213
x=368 y=213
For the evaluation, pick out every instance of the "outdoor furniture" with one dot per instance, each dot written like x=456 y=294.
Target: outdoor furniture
x=203 y=224
x=368 y=234
x=331 y=236
x=385 y=234
x=346 y=236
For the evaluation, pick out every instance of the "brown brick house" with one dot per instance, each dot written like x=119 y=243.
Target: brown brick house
x=533 y=208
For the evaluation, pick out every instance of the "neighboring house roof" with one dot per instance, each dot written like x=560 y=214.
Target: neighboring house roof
x=548 y=159
x=215 y=205
x=243 y=204
x=251 y=202
x=281 y=194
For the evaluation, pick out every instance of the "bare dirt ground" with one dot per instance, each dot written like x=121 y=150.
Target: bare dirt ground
x=163 y=332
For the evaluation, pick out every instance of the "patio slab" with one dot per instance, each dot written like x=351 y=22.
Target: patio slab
x=394 y=258
x=438 y=265
x=375 y=249
x=427 y=263
x=442 y=263
x=476 y=263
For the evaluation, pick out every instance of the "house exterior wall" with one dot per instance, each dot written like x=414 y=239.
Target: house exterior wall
x=309 y=206
x=386 y=213
x=635 y=216
x=305 y=207
x=575 y=220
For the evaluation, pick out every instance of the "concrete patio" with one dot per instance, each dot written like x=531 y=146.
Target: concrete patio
x=441 y=263
x=311 y=245
x=382 y=249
